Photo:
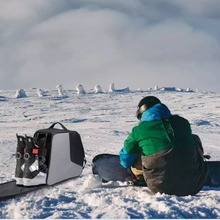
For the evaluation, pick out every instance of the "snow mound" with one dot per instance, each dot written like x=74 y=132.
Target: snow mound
x=112 y=89
x=40 y=93
x=91 y=182
x=20 y=93
x=98 y=89
x=80 y=89
x=60 y=90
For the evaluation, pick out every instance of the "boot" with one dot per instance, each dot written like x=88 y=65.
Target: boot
x=21 y=143
x=35 y=171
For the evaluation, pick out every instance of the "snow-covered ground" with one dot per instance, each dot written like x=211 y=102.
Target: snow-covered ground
x=104 y=121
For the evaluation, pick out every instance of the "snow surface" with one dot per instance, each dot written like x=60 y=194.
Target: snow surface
x=104 y=120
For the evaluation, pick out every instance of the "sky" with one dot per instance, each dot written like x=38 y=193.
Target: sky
x=135 y=43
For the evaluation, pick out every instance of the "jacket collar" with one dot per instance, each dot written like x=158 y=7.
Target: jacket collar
x=156 y=113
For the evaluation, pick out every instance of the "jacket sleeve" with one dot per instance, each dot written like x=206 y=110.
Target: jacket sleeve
x=130 y=152
x=127 y=159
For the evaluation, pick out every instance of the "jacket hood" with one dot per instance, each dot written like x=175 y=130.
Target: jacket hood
x=156 y=113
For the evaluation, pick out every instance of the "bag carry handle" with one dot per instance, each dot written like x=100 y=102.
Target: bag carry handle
x=64 y=128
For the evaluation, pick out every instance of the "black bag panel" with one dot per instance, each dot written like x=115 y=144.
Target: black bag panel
x=77 y=154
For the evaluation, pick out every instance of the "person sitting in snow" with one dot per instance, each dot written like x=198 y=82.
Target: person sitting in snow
x=162 y=151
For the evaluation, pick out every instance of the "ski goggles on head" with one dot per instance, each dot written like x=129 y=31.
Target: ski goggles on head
x=140 y=110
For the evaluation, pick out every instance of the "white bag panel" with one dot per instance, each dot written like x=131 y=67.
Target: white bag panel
x=61 y=167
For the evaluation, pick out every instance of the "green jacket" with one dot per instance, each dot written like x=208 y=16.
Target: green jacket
x=150 y=137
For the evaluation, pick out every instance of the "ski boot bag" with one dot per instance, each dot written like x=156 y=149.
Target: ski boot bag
x=51 y=156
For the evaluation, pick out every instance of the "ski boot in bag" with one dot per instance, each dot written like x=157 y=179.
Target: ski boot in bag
x=21 y=143
x=35 y=170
